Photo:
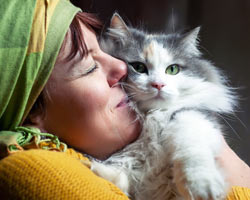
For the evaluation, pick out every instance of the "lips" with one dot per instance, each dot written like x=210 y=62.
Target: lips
x=123 y=102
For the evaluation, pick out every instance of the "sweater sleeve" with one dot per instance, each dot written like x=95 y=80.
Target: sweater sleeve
x=41 y=174
x=239 y=193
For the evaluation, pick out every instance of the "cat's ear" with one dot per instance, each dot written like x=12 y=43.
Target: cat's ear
x=117 y=23
x=191 y=40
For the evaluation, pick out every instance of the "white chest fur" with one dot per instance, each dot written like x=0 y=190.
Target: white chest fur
x=170 y=156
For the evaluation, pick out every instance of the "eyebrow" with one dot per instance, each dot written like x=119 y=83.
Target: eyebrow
x=72 y=67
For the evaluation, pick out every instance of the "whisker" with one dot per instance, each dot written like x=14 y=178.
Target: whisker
x=235 y=132
x=127 y=85
x=241 y=122
x=229 y=117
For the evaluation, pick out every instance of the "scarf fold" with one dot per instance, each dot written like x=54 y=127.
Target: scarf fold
x=31 y=35
x=24 y=138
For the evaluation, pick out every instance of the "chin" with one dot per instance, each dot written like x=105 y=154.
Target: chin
x=132 y=133
x=128 y=137
x=152 y=104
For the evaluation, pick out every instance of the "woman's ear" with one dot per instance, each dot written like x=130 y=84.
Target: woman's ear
x=35 y=119
x=37 y=114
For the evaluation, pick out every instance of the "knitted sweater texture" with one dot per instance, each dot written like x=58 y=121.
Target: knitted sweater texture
x=48 y=175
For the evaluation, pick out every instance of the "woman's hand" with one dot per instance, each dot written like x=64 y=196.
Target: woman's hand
x=236 y=170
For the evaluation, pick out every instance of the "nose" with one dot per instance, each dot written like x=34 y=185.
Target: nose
x=157 y=85
x=117 y=69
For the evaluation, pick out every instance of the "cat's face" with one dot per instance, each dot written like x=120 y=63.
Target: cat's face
x=160 y=76
x=154 y=79
x=163 y=70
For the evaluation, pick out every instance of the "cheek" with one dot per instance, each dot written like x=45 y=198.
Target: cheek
x=185 y=83
x=94 y=96
x=78 y=100
x=172 y=86
x=139 y=82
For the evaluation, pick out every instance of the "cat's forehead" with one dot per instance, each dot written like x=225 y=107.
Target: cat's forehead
x=154 y=52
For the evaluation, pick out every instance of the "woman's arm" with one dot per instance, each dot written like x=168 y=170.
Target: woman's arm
x=237 y=171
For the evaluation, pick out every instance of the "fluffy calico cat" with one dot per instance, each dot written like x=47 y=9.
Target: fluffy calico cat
x=179 y=97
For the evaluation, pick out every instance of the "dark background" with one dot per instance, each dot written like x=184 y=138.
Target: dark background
x=225 y=39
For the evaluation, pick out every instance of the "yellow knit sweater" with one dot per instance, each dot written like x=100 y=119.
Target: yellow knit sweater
x=40 y=174
x=48 y=175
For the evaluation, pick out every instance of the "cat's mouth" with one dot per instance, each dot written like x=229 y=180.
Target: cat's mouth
x=123 y=102
x=159 y=96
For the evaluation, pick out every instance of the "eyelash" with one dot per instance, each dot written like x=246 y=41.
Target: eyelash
x=92 y=69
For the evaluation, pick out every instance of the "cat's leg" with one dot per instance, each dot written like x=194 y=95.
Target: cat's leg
x=195 y=141
x=112 y=174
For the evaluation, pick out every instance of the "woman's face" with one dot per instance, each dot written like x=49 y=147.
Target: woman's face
x=86 y=107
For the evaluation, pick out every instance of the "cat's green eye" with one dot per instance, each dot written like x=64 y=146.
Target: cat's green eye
x=139 y=67
x=172 y=69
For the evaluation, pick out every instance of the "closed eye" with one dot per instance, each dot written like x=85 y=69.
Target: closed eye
x=91 y=70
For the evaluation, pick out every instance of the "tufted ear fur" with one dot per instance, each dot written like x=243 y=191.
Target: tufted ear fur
x=117 y=22
x=118 y=25
x=190 y=41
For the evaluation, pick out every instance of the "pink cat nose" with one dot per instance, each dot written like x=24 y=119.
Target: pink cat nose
x=157 y=85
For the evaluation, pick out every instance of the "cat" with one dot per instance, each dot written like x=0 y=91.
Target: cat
x=179 y=97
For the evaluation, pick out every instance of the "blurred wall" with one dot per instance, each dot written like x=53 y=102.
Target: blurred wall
x=225 y=39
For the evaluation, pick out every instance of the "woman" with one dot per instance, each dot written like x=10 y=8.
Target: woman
x=49 y=46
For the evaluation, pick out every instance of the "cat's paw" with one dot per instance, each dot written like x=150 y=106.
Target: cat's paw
x=201 y=183
x=112 y=174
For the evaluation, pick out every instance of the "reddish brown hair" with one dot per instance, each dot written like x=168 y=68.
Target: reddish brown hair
x=78 y=44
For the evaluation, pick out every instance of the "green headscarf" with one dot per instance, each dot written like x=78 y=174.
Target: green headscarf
x=31 y=34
